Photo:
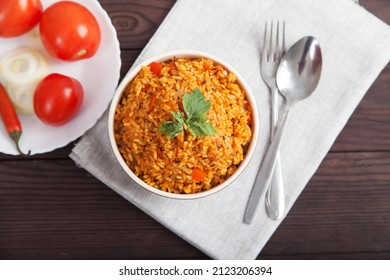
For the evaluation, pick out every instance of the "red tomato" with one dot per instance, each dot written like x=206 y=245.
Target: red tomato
x=57 y=99
x=155 y=67
x=69 y=31
x=18 y=16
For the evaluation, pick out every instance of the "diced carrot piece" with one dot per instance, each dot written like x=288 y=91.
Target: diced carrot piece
x=146 y=88
x=172 y=66
x=155 y=67
x=197 y=175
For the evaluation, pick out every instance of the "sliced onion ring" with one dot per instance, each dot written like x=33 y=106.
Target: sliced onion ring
x=21 y=70
x=21 y=96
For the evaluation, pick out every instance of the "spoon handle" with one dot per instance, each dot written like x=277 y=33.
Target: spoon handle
x=275 y=201
x=264 y=176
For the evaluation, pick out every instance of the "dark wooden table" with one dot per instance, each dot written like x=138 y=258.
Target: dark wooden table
x=51 y=209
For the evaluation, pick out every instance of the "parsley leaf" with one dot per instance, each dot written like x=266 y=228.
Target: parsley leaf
x=178 y=116
x=195 y=104
x=171 y=129
x=195 y=107
x=200 y=128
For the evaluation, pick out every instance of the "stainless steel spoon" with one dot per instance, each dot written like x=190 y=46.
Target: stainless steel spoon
x=297 y=77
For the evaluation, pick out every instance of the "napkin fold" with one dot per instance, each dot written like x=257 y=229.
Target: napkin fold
x=355 y=48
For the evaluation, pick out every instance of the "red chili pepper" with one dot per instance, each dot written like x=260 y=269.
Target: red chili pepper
x=10 y=119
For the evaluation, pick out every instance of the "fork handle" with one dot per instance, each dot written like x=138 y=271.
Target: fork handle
x=275 y=201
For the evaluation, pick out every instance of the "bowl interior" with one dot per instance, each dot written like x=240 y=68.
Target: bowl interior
x=162 y=58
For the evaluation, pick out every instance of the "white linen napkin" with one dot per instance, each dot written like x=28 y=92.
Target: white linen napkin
x=355 y=48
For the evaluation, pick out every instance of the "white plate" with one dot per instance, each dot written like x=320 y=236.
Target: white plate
x=99 y=76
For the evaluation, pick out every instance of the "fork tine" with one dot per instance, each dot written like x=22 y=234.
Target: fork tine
x=264 y=49
x=277 y=48
x=271 y=52
x=274 y=42
x=284 y=38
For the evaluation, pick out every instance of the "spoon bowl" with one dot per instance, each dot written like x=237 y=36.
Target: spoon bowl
x=297 y=77
x=300 y=70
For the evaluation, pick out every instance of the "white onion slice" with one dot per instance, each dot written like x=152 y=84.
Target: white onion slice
x=22 y=70
x=22 y=96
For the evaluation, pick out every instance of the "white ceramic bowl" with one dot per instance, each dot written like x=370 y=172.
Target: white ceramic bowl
x=162 y=58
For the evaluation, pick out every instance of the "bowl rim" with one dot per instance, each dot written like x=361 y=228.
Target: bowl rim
x=164 y=56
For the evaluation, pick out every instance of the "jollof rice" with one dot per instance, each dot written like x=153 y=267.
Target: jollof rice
x=167 y=164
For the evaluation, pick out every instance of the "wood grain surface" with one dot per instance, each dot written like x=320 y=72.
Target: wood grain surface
x=51 y=209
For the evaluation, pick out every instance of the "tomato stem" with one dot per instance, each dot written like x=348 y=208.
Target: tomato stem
x=15 y=136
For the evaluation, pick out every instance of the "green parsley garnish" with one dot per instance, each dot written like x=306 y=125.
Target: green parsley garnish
x=195 y=107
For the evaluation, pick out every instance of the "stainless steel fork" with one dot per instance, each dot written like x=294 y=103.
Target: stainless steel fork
x=269 y=63
x=274 y=47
